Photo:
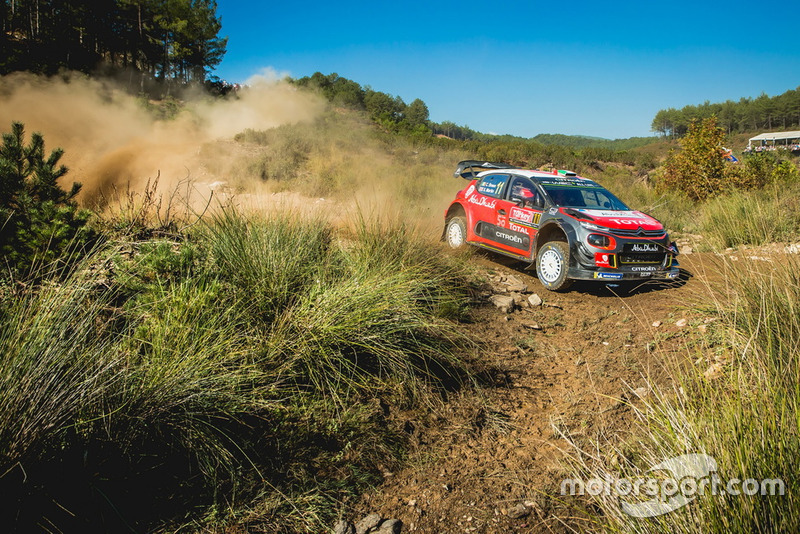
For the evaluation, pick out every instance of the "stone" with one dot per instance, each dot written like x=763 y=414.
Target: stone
x=368 y=523
x=681 y=323
x=518 y=299
x=504 y=302
x=535 y=300
x=390 y=526
x=515 y=285
x=656 y=324
x=519 y=511
x=344 y=527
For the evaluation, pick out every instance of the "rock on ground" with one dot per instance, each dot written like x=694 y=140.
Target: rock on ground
x=518 y=511
x=390 y=526
x=368 y=523
x=515 y=285
x=504 y=302
x=344 y=527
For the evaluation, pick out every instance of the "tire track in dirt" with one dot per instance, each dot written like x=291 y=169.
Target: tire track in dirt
x=578 y=373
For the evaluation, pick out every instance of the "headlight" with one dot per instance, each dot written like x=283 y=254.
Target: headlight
x=594 y=227
x=601 y=241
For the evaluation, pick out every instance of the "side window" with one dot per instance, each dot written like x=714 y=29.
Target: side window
x=524 y=193
x=493 y=185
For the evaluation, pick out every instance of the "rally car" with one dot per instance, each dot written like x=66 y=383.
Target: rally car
x=566 y=226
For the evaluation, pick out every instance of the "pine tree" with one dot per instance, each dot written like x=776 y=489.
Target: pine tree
x=39 y=221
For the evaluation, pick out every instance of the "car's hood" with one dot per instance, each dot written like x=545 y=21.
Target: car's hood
x=616 y=220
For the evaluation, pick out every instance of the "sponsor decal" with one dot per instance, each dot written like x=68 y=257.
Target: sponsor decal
x=517 y=228
x=568 y=182
x=527 y=218
x=616 y=214
x=521 y=215
x=482 y=201
x=645 y=268
x=645 y=247
x=470 y=190
x=553 y=211
x=505 y=236
x=625 y=222
x=608 y=276
x=604 y=259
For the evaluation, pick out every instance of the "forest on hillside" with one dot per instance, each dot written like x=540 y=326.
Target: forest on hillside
x=168 y=41
x=780 y=112
x=393 y=113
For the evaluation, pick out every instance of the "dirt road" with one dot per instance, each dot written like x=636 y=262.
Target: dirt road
x=571 y=365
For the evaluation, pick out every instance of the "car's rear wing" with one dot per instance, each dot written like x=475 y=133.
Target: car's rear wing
x=469 y=169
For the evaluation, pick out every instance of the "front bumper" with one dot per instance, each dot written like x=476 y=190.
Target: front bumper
x=611 y=275
x=584 y=266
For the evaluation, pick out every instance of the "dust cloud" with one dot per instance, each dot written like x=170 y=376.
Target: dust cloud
x=114 y=145
x=111 y=141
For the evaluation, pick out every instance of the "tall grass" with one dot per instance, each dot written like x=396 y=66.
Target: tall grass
x=232 y=367
x=747 y=419
x=343 y=315
x=753 y=218
x=57 y=366
x=270 y=262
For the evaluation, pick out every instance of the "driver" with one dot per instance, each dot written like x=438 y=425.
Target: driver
x=521 y=192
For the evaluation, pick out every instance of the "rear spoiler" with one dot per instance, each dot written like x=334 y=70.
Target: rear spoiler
x=469 y=169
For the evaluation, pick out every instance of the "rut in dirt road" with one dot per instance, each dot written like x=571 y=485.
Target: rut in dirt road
x=571 y=363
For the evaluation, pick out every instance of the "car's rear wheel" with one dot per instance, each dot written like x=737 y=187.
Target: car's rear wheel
x=455 y=232
x=552 y=265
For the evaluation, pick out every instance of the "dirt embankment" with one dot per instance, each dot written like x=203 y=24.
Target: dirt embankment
x=571 y=365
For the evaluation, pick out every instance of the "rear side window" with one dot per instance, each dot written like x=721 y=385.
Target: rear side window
x=493 y=185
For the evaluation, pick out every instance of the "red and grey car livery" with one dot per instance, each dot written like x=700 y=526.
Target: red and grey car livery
x=567 y=227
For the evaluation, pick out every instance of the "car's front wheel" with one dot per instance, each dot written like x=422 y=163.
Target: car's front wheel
x=455 y=232
x=552 y=264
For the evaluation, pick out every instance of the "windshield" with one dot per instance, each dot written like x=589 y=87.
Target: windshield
x=584 y=197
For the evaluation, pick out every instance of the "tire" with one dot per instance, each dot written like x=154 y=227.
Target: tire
x=455 y=232
x=552 y=265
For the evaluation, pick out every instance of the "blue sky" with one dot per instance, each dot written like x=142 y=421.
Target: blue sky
x=524 y=68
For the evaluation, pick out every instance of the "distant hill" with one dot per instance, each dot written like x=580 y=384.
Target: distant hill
x=392 y=112
x=585 y=141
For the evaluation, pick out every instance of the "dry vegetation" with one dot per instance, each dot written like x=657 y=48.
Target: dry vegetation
x=234 y=369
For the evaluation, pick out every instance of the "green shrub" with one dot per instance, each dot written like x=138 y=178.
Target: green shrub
x=698 y=169
x=39 y=221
